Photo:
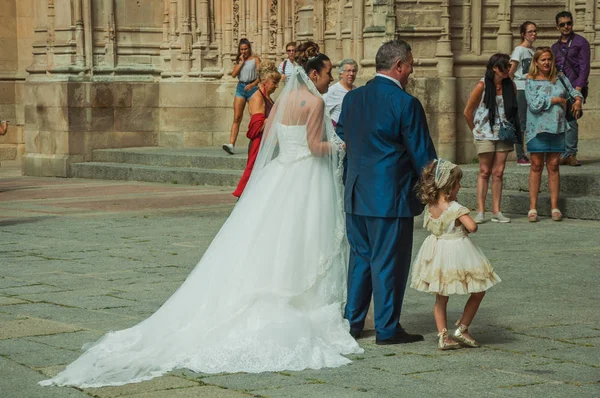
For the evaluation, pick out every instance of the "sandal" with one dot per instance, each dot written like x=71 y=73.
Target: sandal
x=464 y=340
x=556 y=215
x=444 y=343
x=532 y=215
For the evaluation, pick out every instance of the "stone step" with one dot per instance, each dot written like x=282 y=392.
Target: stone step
x=583 y=180
x=516 y=202
x=147 y=173
x=203 y=158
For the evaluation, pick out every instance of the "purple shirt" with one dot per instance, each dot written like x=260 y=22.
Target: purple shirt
x=577 y=68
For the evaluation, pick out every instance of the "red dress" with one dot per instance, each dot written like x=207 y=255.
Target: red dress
x=255 y=132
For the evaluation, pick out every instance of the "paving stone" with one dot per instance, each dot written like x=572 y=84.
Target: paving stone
x=86 y=299
x=10 y=301
x=193 y=392
x=9 y=317
x=550 y=390
x=30 y=289
x=74 y=316
x=564 y=332
x=539 y=327
x=567 y=372
x=253 y=381
x=18 y=381
x=32 y=327
x=70 y=341
x=35 y=355
x=316 y=390
x=165 y=384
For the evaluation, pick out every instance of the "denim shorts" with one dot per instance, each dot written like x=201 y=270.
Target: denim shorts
x=545 y=142
x=240 y=92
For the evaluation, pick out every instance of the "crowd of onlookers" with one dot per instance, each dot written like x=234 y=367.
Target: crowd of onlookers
x=528 y=101
x=531 y=99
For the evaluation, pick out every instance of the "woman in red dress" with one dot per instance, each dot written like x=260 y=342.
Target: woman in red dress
x=259 y=105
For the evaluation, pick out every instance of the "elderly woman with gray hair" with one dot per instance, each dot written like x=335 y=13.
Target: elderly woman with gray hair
x=348 y=69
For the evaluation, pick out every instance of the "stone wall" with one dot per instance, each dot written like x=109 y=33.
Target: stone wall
x=80 y=74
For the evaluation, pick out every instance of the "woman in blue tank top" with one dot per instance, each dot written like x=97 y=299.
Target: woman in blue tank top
x=246 y=70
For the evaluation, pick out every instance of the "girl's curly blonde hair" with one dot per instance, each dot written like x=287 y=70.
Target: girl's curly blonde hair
x=427 y=190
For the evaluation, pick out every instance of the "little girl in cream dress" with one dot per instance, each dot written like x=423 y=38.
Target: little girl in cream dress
x=448 y=261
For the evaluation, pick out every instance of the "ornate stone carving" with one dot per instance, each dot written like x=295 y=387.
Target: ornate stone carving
x=273 y=26
x=296 y=15
x=331 y=8
x=236 y=20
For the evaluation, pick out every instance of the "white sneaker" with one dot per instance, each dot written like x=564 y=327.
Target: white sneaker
x=228 y=148
x=499 y=217
x=479 y=218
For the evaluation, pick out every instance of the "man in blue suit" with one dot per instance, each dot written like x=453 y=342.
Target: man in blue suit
x=387 y=146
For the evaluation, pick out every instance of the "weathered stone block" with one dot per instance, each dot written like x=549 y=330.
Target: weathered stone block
x=120 y=139
x=53 y=142
x=182 y=95
x=91 y=119
x=197 y=139
x=79 y=94
x=171 y=139
x=52 y=118
x=106 y=95
x=8 y=152
x=220 y=94
x=42 y=165
x=145 y=94
x=46 y=94
x=136 y=119
x=7 y=93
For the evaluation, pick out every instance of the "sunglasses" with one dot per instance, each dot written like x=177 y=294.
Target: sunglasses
x=291 y=51
x=563 y=24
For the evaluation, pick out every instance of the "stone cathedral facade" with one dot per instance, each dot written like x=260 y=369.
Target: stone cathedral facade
x=76 y=75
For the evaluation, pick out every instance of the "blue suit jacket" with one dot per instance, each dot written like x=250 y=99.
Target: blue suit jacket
x=387 y=146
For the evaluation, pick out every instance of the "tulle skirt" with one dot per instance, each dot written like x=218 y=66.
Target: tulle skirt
x=266 y=295
x=452 y=266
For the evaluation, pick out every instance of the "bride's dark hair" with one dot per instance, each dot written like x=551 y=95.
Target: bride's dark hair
x=308 y=56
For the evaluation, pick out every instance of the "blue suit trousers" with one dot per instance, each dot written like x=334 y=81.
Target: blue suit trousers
x=380 y=257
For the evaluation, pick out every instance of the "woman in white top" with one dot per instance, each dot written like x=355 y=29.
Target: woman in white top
x=520 y=61
x=286 y=67
x=348 y=69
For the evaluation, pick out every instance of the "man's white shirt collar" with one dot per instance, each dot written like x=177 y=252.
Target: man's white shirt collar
x=390 y=78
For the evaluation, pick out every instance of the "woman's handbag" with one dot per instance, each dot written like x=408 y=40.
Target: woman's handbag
x=508 y=132
x=570 y=101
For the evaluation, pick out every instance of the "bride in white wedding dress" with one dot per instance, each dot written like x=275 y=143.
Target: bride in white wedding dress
x=268 y=293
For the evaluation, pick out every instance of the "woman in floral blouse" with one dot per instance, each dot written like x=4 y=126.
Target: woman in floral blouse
x=547 y=95
x=493 y=102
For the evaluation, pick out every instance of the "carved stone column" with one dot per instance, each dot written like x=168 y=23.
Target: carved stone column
x=390 y=20
x=466 y=30
x=504 y=32
x=319 y=23
x=79 y=44
x=173 y=21
x=358 y=24
x=446 y=120
x=203 y=22
x=185 y=37
x=264 y=35
x=110 y=57
x=50 y=39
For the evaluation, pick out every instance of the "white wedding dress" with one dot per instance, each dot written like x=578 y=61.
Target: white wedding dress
x=268 y=293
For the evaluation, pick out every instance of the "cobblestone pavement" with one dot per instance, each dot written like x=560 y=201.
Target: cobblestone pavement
x=80 y=257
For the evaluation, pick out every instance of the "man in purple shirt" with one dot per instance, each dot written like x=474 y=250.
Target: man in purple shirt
x=572 y=57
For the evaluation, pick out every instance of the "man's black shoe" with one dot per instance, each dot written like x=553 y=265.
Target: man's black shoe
x=400 y=338
x=355 y=333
